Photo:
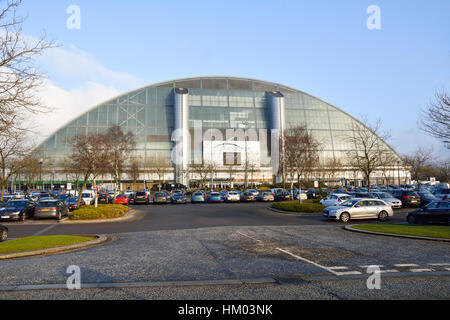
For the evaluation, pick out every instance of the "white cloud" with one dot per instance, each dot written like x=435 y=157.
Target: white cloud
x=83 y=83
x=66 y=105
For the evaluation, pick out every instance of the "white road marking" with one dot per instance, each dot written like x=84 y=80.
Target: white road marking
x=389 y=271
x=421 y=270
x=347 y=273
x=372 y=265
x=44 y=230
x=439 y=264
x=406 y=265
x=337 y=268
x=309 y=261
x=242 y=234
x=448 y=269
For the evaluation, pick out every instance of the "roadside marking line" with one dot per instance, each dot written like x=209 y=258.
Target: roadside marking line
x=337 y=268
x=347 y=273
x=242 y=234
x=406 y=265
x=447 y=269
x=439 y=264
x=44 y=230
x=421 y=270
x=372 y=265
x=389 y=271
x=309 y=261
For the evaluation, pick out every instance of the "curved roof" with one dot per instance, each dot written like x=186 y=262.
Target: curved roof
x=216 y=83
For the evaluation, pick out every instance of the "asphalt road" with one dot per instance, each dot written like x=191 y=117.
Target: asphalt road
x=180 y=217
x=154 y=255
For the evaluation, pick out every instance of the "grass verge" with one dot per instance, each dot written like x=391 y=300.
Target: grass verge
x=103 y=211
x=40 y=243
x=441 y=232
x=294 y=206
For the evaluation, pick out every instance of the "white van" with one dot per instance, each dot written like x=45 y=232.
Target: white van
x=88 y=196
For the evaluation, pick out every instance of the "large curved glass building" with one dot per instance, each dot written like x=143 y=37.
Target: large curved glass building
x=168 y=118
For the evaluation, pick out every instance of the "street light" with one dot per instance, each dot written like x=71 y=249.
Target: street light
x=41 y=161
x=398 y=172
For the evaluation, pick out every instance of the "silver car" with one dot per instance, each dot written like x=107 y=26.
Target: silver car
x=389 y=199
x=359 y=209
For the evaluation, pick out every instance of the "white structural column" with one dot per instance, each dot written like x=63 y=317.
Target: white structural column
x=181 y=126
x=277 y=108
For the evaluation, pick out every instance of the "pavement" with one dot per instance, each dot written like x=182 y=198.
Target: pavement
x=307 y=257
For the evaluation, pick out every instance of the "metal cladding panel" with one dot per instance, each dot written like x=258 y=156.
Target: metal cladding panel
x=277 y=110
x=181 y=126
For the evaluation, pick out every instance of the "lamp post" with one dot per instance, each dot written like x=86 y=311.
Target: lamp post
x=41 y=161
x=398 y=172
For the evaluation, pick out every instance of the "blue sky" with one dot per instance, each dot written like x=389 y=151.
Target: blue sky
x=320 y=47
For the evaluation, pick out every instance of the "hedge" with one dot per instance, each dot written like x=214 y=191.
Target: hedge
x=103 y=211
x=295 y=206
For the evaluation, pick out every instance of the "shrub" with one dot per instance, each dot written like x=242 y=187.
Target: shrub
x=103 y=211
x=295 y=206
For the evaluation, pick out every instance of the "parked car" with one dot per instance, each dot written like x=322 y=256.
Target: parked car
x=122 y=199
x=388 y=198
x=103 y=199
x=88 y=196
x=198 y=197
x=141 y=198
x=265 y=196
x=17 y=210
x=442 y=193
x=131 y=198
x=178 y=198
x=312 y=193
x=359 y=209
x=427 y=197
x=434 y=212
x=282 y=196
x=215 y=197
x=3 y=233
x=50 y=209
x=160 y=198
x=409 y=198
x=335 y=199
x=232 y=196
x=248 y=197
x=72 y=203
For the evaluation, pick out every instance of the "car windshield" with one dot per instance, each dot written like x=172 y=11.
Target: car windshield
x=17 y=204
x=160 y=195
x=350 y=203
x=426 y=194
x=198 y=194
x=140 y=194
x=86 y=195
x=73 y=199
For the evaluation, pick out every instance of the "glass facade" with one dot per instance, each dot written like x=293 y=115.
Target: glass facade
x=218 y=102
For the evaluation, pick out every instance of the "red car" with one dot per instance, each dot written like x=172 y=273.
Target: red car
x=122 y=199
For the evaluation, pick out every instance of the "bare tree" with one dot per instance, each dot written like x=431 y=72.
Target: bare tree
x=436 y=118
x=13 y=150
x=89 y=153
x=202 y=171
x=418 y=161
x=159 y=166
x=30 y=171
x=332 y=167
x=120 y=146
x=19 y=78
x=301 y=151
x=134 y=170
x=369 y=147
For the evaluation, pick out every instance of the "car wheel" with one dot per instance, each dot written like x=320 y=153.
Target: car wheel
x=3 y=235
x=411 y=220
x=383 y=216
x=345 y=217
